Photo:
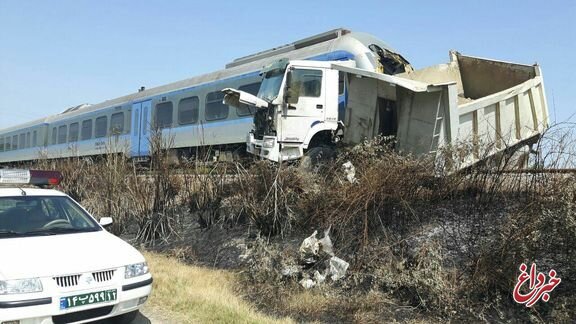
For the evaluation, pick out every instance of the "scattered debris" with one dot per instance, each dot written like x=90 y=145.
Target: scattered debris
x=326 y=243
x=312 y=248
x=313 y=264
x=307 y=283
x=350 y=172
x=318 y=277
x=309 y=249
x=312 y=251
x=291 y=271
x=338 y=268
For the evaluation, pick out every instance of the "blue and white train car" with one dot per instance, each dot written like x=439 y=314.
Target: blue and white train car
x=23 y=142
x=190 y=111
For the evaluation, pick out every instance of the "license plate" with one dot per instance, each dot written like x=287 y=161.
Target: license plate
x=87 y=299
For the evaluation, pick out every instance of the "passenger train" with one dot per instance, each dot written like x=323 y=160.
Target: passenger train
x=190 y=111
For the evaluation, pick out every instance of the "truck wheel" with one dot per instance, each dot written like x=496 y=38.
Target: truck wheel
x=125 y=318
x=316 y=157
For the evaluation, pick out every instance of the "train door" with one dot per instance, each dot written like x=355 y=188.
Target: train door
x=141 y=123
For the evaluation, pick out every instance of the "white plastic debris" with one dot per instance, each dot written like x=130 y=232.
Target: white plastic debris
x=307 y=283
x=312 y=250
x=290 y=271
x=338 y=268
x=309 y=249
x=247 y=252
x=318 y=278
x=326 y=243
x=350 y=172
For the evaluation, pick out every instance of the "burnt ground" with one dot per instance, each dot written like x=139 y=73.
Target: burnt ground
x=238 y=247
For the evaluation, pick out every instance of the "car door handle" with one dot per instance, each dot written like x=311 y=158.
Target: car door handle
x=290 y=107
x=319 y=106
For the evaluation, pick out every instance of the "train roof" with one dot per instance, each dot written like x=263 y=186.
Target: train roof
x=19 y=127
x=344 y=40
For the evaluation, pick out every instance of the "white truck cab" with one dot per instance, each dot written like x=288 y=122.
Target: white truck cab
x=297 y=100
x=57 y=263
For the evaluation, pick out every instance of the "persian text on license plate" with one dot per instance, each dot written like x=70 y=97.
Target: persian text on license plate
x=87 y=299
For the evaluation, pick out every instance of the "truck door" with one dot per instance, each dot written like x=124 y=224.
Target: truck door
x=305 y=106
x=141 y=121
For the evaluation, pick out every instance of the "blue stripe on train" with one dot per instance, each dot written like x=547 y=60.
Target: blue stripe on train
x=333 y=56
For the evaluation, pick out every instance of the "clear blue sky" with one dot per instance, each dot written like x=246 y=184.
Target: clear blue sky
x=58 y=54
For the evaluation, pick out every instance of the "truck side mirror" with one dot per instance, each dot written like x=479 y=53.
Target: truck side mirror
x=290 y=92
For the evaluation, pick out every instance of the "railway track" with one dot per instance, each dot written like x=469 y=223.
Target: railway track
x=538 y=171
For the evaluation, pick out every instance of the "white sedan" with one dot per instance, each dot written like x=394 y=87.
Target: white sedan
x=58 y=264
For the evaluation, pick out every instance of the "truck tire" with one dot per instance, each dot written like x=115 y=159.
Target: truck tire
x=315 y=157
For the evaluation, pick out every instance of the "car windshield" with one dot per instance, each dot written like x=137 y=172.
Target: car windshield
x=42 y=215
x=271 y=84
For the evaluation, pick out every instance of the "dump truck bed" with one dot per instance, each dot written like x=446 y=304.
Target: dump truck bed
x=473 y=106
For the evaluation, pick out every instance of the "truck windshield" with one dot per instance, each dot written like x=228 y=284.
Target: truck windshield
x=271 y=84
x=42 y=215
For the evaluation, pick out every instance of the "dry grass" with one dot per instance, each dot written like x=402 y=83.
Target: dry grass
x=422 y=244
x=190 y=294
x=444 y=246
x=369 y=308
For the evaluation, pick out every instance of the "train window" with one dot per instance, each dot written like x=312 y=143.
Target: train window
x=145 y=120
x=136 y=119
x=188 y=110
x=245 y=110
x=15 y=142
x=54 y=135
x=117 y=123
x=22 y=143
x=164 y=115
x=1 y=144
x=7 y=144
x=215 y=109
x=101 y=126
x=62 y=134
x=28 y=140
x=34 y=138
x=86 y=130
x=73 y=136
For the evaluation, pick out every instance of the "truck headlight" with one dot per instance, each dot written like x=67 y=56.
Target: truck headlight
x=268 y=142
x=135 y=270
x=20 y=286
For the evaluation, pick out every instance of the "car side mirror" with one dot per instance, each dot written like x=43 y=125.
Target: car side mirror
x=106 y=221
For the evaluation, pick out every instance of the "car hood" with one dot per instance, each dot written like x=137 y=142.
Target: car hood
x=46 y=256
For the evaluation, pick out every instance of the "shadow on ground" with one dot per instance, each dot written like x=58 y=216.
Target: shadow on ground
x=140 y=319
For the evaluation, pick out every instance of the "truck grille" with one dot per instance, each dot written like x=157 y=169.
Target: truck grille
x=72 y=280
